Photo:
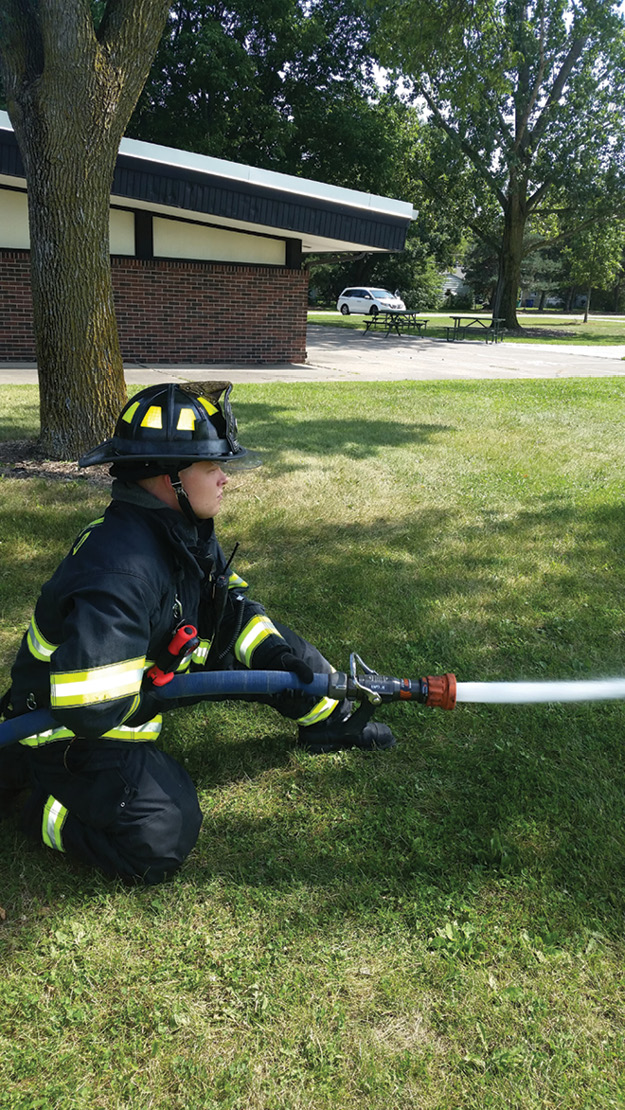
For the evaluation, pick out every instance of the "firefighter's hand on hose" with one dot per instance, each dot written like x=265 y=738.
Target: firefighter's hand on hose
x=290 y=662
x=282 y=659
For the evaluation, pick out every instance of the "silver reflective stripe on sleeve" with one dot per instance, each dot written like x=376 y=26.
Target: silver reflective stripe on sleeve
x=48 y=737
x=319 y=712
x=76 y=688
x=149 y=730
x=252 y=635
x=54 y=817
x=234 y=580
x=200 y=653
x=38 y=646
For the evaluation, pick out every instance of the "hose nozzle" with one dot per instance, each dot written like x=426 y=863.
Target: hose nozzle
x=441 y=690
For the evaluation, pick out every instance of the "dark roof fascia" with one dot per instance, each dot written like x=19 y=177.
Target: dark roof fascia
x=246 y=202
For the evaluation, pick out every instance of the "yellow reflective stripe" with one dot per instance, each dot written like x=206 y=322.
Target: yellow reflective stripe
x=319 y=712
x=208 y=405
x=153 y=417
x=84 y=535
x=150 y=730
x=252 y=635
x=38 y=646
x=54 y=817
x=186 y=420
x=49 y=737
x=117 y=680
x=130 y=411
x=235 y=580
x=134 y=705
x=200 y=653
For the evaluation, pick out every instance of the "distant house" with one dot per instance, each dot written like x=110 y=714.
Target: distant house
x=453 y=283
x=206 y=255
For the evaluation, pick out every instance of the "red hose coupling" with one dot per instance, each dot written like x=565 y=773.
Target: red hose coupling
x=441 y=690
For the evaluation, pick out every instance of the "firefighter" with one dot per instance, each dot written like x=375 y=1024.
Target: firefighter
x=107 y=622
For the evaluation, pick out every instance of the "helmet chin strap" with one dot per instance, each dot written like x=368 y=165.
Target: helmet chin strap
x=182 y=499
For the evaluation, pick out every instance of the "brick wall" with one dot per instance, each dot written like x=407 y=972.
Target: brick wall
x=179 y=312
x=16 y=310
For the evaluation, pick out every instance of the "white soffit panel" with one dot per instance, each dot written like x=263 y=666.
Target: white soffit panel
x=175 y=239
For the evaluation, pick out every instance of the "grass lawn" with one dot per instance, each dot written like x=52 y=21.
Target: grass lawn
x=551 y=327
x=435 y=928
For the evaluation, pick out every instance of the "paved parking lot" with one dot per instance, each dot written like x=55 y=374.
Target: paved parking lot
x=341 y=354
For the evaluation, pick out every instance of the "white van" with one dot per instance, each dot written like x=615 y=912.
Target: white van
x=369 y=301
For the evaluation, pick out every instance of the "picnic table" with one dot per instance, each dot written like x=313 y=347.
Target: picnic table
x=472 y=325
x=395 y=321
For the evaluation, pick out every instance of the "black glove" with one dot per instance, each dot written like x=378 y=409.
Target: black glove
x=290 y=662
x=281 y=658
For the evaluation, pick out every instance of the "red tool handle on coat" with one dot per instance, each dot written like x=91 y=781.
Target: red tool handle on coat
x=182 y=644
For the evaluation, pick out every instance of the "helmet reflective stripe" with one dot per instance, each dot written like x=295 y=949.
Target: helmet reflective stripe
x=128 y=414
x=153 y=417
x=319 y=712
x=252 y=635
x=208 y=405
x=38 y=646
x=118 y=680
x=186 y=420
x=54 y=817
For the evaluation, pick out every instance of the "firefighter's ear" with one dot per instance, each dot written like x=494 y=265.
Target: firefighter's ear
x=160 y=485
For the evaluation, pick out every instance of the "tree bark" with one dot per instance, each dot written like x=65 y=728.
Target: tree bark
x=81 y=377
x=515 y=218
x=70 y=93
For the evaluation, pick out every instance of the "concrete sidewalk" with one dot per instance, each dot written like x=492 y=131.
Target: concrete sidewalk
x=341 y=354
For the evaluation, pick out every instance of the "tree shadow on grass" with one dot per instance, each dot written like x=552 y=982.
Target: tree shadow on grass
x=280 y=430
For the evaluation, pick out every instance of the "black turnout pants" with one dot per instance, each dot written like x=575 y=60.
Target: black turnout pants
x=130 y=809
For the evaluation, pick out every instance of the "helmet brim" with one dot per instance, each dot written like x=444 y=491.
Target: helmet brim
x=109 y=453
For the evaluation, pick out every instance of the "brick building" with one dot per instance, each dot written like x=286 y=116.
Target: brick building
x=206 y=255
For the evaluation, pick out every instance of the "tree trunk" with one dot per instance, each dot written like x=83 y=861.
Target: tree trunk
x=587 y=308
x=512 y=255
x=70 y=93
x=81 y=376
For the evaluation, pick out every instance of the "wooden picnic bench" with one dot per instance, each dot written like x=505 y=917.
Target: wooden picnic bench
x=395 y=321
x=489 y=330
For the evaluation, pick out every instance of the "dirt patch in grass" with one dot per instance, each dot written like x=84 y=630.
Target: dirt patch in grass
x=23 y=458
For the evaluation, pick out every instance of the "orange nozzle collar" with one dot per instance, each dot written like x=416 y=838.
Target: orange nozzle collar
x=441 y=690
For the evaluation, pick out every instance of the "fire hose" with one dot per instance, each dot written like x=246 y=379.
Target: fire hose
x=442 y=691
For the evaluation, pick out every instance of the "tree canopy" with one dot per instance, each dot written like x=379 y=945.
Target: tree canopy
x=280 y=84
x=529 y=95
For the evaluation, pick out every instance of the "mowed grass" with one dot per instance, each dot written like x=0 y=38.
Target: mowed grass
x=440 y=926
x=555 y=328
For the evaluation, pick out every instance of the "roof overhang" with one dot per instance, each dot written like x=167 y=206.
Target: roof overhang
x=178 y=183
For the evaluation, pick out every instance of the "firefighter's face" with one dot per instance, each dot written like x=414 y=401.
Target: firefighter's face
x=204 y=483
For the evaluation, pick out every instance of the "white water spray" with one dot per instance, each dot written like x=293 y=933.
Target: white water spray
x=531 y=693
